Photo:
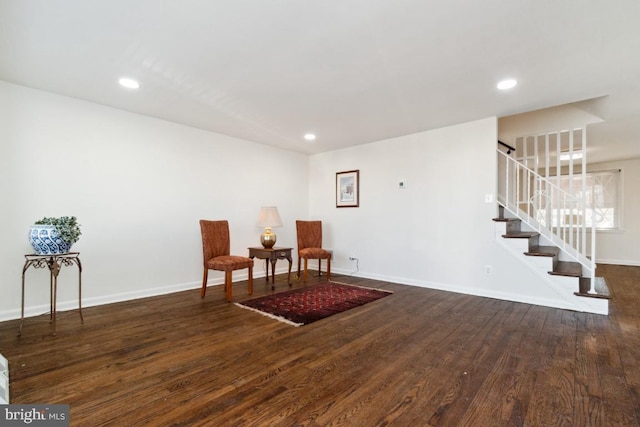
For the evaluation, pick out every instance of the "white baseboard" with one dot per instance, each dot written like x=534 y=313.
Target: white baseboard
x=37 y=310
x=486 y=293
x=162 y=290
x=619 y=262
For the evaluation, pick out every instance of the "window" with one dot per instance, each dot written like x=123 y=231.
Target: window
x=602 y=201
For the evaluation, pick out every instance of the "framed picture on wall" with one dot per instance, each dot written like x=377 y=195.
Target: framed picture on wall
x=348 y=189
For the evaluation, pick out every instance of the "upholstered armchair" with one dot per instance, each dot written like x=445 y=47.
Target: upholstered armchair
x=216 y=246
x=310 y=246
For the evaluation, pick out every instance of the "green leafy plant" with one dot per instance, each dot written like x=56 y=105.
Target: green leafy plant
x=67 y=227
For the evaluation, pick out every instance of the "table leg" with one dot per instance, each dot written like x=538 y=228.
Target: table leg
x=77 y=260
x=273 y=273
x=54 y=268
x=24 y=270
x=54 y=263
x=266 y=276
x=55 y=298
x=289 y=274
x=50 y=294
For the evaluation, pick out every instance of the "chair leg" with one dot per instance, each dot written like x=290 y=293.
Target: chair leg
x=328 y=268
x=203 y=291
x=251 y=281
x=304 y=278
x=320 y=267
x=228 y=284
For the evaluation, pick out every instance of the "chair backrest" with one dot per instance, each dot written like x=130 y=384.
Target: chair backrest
x=215 y=239
x=309 y=234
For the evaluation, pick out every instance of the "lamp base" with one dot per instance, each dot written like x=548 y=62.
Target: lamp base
x=268 y=238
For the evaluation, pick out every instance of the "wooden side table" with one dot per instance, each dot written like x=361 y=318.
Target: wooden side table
x=273 y=255
x=54 y=263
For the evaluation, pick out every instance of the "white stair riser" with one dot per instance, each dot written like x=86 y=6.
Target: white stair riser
x=519 y=245
x=595 y=305
x=566 y=282
x=564 y=285
x=544 y=263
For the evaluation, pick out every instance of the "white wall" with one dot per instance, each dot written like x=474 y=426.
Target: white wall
x=438 y=232
x=612 y=247
x=561 y=117
x=138 y=186
x=622 y=246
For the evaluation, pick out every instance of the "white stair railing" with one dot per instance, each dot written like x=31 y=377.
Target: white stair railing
x=556 y=214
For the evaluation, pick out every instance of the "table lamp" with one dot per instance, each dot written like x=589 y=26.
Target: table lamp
x=269 y=217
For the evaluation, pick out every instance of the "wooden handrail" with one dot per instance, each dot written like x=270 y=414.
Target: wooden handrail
x=509 y=148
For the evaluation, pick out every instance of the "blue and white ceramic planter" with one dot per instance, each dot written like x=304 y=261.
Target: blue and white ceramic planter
x=46 y=240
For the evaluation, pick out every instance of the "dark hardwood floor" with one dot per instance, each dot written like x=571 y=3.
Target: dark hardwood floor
x=420 y=357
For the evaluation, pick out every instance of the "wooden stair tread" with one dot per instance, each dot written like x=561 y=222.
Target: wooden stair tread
x=601 y=288
x=565 y=268
x=520 y=235
x=506 y=219
x=543 y=251
x=561 y=268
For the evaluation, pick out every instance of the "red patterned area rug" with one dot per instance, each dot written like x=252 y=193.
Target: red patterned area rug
x=306 y=305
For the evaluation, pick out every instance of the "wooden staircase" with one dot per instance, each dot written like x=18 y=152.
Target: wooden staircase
x=563 y=275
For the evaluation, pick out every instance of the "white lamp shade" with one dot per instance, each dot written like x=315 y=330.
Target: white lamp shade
x=269 y=217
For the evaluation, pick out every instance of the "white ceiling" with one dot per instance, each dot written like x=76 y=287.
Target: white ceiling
x=351 y=71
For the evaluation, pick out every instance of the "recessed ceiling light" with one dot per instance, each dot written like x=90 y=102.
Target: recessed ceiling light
x=507 y=84
x=309 y=136
x=129 y=83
